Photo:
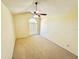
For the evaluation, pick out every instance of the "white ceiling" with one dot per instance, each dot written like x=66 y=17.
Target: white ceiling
x=46 y=6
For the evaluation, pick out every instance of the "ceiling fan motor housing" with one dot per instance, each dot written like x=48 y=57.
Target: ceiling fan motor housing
x=34 y=12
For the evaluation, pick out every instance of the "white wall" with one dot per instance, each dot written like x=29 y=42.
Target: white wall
x=21 y=22
x=62 y=29
x=8 y=38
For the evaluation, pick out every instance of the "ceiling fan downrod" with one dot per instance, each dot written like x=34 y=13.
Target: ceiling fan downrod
x=36 y=5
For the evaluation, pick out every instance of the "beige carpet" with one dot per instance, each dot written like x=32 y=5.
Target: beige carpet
x=37 y=47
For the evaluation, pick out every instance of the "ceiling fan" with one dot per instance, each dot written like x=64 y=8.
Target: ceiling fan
x=36 y=12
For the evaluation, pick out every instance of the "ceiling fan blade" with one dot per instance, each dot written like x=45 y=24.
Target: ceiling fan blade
x=43 y=14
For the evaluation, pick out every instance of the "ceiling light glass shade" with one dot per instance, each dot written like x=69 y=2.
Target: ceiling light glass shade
x=35 y=16
x=37 y=11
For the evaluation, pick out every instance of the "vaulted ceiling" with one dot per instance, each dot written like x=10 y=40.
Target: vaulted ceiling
x=46 y=6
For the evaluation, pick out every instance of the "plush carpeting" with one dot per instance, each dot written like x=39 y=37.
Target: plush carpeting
x=37 y=47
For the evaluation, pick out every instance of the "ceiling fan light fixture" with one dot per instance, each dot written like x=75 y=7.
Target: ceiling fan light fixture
x=37 y=11
x=35 y=16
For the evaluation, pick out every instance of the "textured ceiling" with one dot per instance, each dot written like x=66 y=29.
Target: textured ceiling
x=46 y=6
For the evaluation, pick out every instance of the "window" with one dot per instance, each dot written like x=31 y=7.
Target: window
x=33 y=26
